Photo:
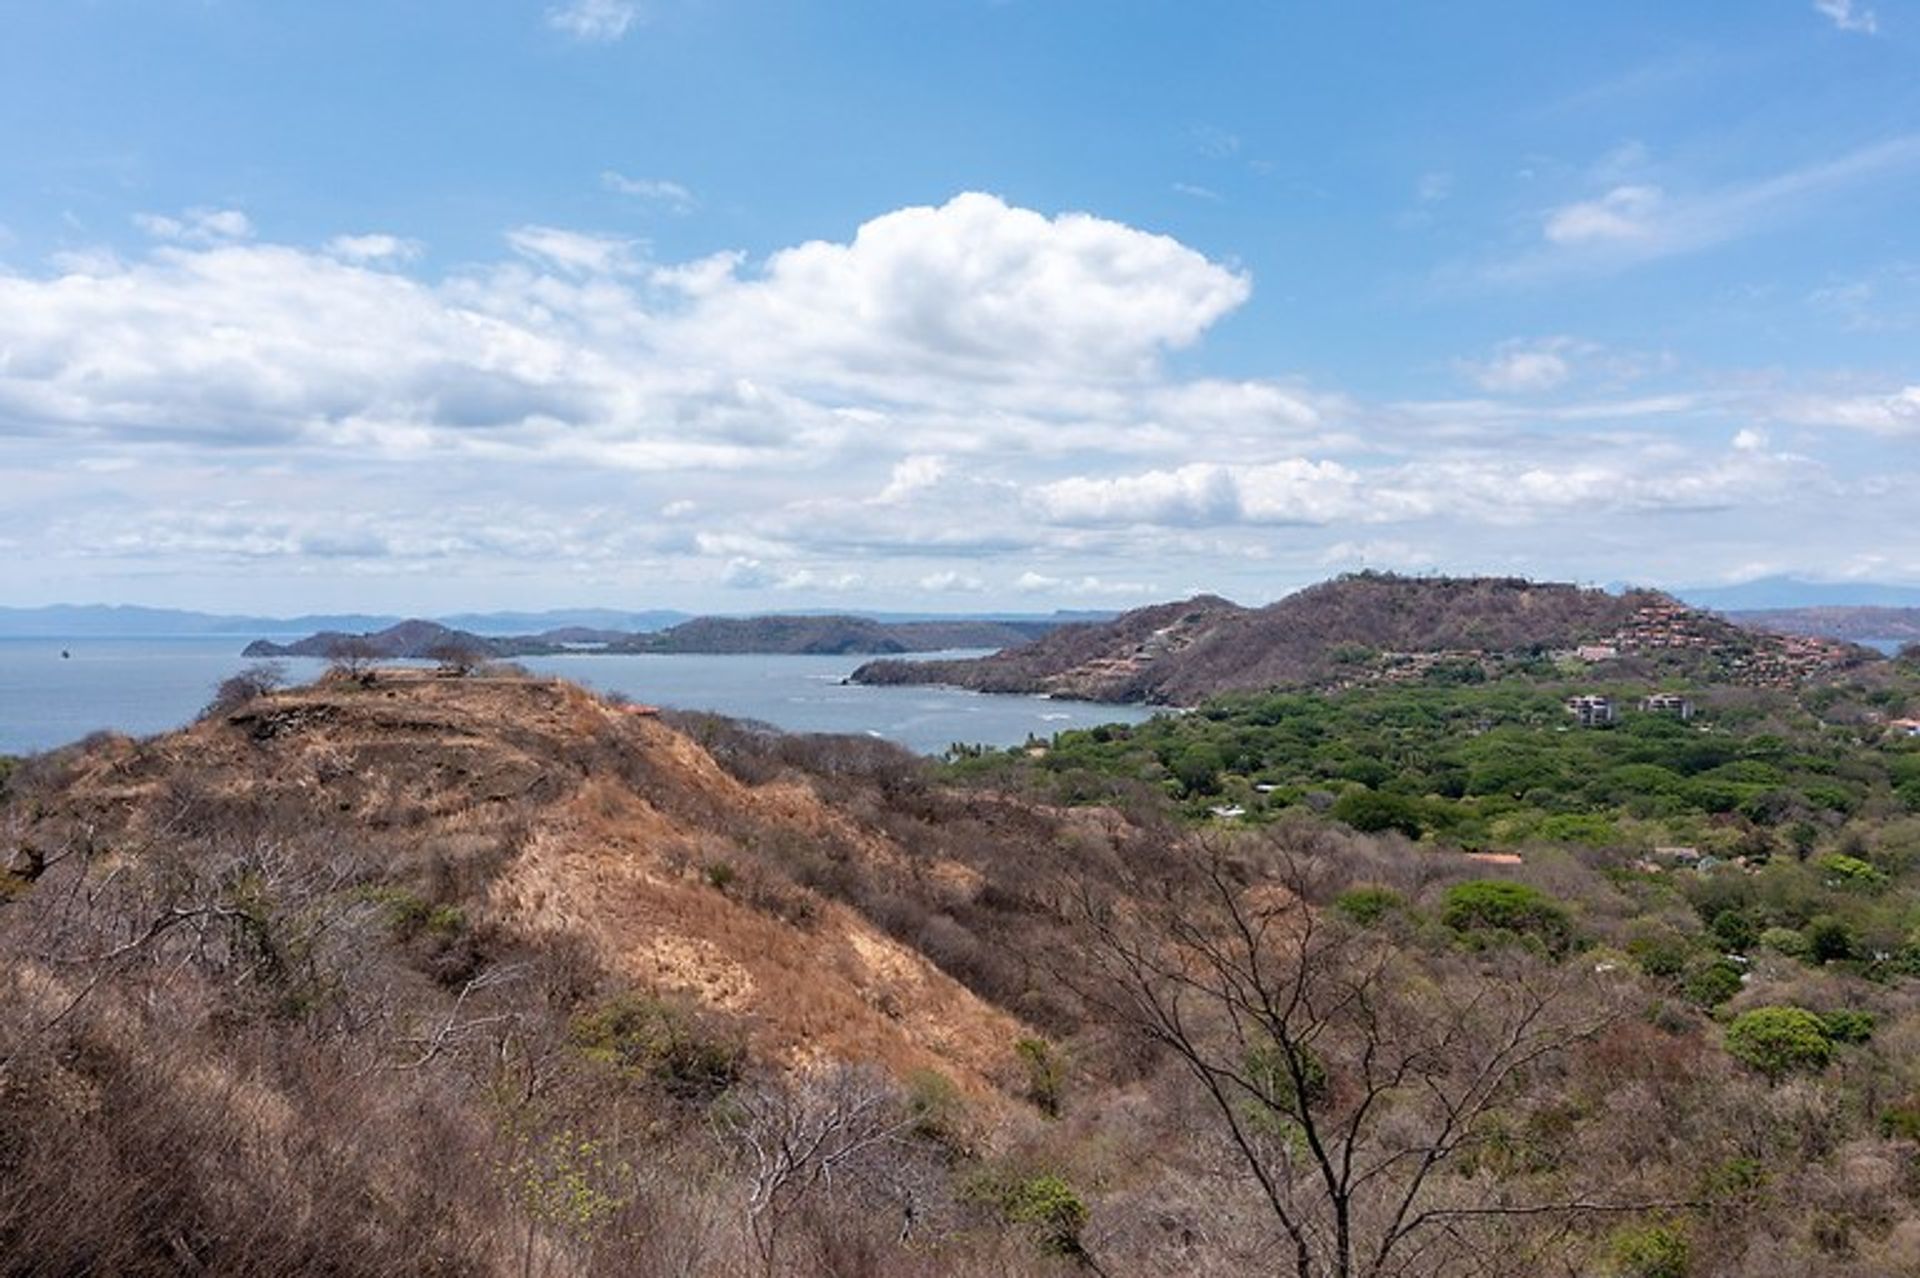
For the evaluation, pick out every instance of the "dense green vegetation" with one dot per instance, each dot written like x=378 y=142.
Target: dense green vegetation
x=1499 y=765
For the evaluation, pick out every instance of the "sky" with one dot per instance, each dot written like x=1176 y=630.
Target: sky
x=949 y=305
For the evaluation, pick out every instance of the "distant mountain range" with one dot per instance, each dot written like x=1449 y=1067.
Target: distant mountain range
x=1377 y=627
x=1792 y=592
x=788 y=635
x=122 y=621
x=1858 y=625
x=82 y=621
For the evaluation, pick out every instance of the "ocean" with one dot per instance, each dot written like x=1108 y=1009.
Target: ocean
x=57 y=690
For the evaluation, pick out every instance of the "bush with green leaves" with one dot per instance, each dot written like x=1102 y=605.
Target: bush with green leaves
x=1046 y=1074
x=1649 y=1251
x=1712 y=983
x=1368 y=904
x=1490 y=907
x=1849 y=1025
x=673 y=1046
x=1779 y=1041
x=1051 y=1207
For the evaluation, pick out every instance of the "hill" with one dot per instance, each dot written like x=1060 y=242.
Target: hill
x=1857 y=624
x=488 y=976
x=797 y=635
x=1375 y=627
x=830 y=635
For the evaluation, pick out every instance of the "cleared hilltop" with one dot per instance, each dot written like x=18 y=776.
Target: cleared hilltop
x=1374 y=627
x=776 y=635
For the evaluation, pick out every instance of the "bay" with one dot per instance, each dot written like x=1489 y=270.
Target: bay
x=148 y=684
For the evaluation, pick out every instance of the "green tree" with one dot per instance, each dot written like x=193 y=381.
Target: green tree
x=1779 y=1041
x=1498 y=905
x=1372 y=812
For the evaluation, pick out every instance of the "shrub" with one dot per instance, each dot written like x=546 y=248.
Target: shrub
x=1844 y=871
x=1650 y=1251
x=1051 y=1207
x=1712 y=983
x=649 y=1038
x=1779 y=1041
x=1046 y=1072
x=1849 y=1026
x=1785 y=940
x=936 y=1108
x=1733 y=929
x=1829 y=940
x=1498 y=905
x=1367 y=905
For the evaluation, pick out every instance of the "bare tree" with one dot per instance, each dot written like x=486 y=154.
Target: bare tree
x=354 y=656
x=458 y=658
x=255 y=681
x=1344 y=1068
x=807 y=1140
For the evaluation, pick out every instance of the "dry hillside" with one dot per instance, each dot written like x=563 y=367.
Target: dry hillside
x=1368 y=627
x=558 y=813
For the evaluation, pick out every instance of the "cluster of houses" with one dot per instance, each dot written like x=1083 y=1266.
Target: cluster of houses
x=1592 y=710
x=1764 y=661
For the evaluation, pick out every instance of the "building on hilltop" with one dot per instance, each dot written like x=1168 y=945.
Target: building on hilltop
x=1591 y=711
x=1668 y=703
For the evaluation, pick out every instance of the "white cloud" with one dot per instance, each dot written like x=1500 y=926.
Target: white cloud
x=577 y=252
x=1893 y=413
x=951 y=582
x=374 y=248
x=1635 y=223
x=1432 y=188
x=972 y=289
x=1035 y=583
x=751 y=574
x=913 y=476
x=197 y=226
x=1194 y=191
x=1291 y=491
x=1625 y=212
x=594 y=21
x=960 y=392
x=1845 y=17
x=1522 y=367
x=669 y=195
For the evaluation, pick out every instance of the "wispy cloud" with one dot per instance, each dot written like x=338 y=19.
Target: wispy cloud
x=1632 y=224
x=576 y=252
x=1845 y=17
x=594 y=21
x=1522 y=367
x=1624 y=213
x=669 y=195
x=1194 y=192
x=367 y=249
x=197 y=226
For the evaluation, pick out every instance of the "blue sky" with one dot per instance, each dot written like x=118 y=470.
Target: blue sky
x=954 y=304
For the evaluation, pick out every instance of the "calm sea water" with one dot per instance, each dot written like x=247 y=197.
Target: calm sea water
x=145 y=685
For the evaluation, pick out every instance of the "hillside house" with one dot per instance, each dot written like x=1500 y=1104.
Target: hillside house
x=1596 y=652
x=1591 y=711
x=1905 y=727
x=1668 y=703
